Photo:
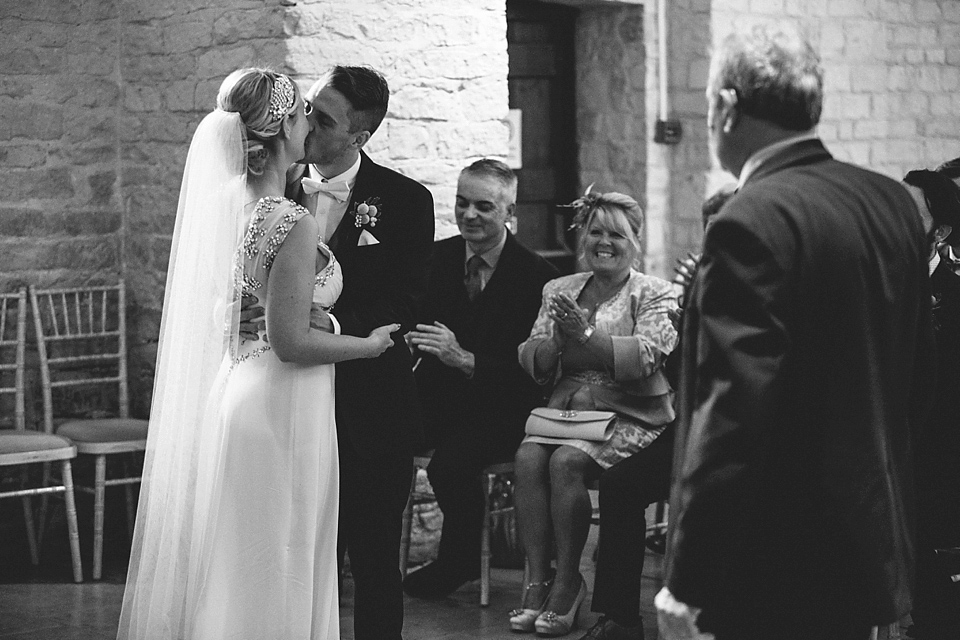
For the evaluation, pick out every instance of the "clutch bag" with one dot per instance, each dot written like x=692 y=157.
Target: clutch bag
x=566 y=423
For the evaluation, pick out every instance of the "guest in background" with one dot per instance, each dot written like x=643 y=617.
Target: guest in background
x=950 y=251
x=806 y=344
x=603 y=334
x=626 y=490
x=936 y=606
x=482 y=299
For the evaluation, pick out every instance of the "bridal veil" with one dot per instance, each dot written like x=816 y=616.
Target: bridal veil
x=197 y=334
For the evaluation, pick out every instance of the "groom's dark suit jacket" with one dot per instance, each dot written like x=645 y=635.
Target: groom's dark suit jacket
x=806 y=346
x=378 y=413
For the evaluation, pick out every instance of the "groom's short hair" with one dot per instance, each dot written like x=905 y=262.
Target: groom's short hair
x=366 y=90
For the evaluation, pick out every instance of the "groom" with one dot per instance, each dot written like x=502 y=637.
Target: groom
x=379 y=225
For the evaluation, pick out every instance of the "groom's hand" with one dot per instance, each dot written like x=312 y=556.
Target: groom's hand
x=320 y=319
x=252 y=319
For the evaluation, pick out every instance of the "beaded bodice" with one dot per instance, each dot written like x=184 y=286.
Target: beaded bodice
x=271 y=222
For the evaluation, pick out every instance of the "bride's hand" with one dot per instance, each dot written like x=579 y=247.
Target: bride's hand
x=380 y=339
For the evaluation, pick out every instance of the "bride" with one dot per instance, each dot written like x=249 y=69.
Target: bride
x=237 y=525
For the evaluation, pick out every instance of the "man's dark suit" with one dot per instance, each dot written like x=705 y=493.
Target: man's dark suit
x=378 y=416
x=936 y=612
x=473 y=422
x=805 y=346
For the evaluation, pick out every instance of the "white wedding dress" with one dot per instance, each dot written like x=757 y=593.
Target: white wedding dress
x=270 y=567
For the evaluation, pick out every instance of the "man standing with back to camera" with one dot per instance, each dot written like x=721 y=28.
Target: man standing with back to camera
x=806 y=346
x=384 y=253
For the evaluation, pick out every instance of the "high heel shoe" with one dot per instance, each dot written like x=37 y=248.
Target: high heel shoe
x=550 y=623
x=523 y=619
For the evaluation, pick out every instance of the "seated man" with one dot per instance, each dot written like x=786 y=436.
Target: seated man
x=482 y=299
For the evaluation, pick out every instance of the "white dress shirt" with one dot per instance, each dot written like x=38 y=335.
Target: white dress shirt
x=327 y=210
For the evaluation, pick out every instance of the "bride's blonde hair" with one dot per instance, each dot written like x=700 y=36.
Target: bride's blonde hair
x=263 y=98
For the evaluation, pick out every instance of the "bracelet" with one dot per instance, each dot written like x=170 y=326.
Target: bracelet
x=586 y=334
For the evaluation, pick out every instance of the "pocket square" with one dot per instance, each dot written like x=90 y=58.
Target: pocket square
x=367 y=238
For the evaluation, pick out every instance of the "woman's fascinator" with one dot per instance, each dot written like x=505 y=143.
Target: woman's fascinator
x=583 y=207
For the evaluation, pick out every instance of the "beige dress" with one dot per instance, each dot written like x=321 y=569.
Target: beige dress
x=635 y=388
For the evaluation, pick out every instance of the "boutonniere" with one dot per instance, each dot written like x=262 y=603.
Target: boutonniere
x=367 y=212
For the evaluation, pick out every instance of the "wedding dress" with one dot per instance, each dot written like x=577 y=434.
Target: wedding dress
x=271 y=560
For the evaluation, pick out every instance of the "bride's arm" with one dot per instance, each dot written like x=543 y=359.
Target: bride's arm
x=289 y=296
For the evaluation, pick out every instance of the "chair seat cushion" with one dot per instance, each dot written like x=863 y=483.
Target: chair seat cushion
x=21 y=447
x=106 y=435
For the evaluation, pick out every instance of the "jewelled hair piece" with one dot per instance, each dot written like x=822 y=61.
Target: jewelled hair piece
x=282 y=96
x=583 y=207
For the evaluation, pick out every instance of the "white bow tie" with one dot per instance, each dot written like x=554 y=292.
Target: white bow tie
x=339 y=191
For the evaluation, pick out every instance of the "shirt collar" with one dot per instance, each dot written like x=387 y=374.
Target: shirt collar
x=492 y=256
x=934 y=262
x=349 y=176
x=763 y=154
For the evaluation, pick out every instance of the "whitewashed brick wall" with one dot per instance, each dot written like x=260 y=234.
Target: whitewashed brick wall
x=446 y=62
x=892 y=100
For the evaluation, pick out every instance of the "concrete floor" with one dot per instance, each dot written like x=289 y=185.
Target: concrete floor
x=41 y=603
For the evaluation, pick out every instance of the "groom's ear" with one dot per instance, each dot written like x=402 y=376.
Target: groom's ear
x=360 y=138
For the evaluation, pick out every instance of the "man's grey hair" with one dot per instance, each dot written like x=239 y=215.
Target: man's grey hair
x=493 y=168
x=776 y=75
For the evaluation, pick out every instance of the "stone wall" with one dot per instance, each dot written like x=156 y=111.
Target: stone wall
x=100 y=100
x=60 y=210
x=611 y=122
x=446 y=62
x=892 y=74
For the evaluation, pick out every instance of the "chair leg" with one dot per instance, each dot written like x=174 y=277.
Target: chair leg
x=99 y=491
x=72 y=529
x=407 y=526
x=31 y=531
x=44 y=501
x=485 y=552
x=131 y=509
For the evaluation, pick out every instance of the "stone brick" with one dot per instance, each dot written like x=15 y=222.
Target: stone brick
x=767 y=7
x=862 y=38
x=142 y=39
x=79 y=254
x=856 y=106
x=902 y=128
x=833 y=38
x=23 y=156
x=96 y=92
x=35 y=121
x=866 y=129
x=842 y=8
x=236 y=26
x=32 y=222
x=181 y=37
x=217 y=63
x=900 y=78
x=868 y=77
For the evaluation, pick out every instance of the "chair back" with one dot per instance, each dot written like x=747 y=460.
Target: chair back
x=82 y=348
x=13 y=332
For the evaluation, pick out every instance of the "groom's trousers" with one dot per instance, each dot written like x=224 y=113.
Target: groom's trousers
x=373 y=494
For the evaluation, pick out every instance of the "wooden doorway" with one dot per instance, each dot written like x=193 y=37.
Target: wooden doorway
x=542 y=82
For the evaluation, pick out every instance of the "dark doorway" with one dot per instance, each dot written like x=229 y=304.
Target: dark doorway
x=540 y=44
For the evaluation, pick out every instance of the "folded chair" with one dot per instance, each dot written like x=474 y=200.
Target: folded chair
x=20 y=447
x=82 y=344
